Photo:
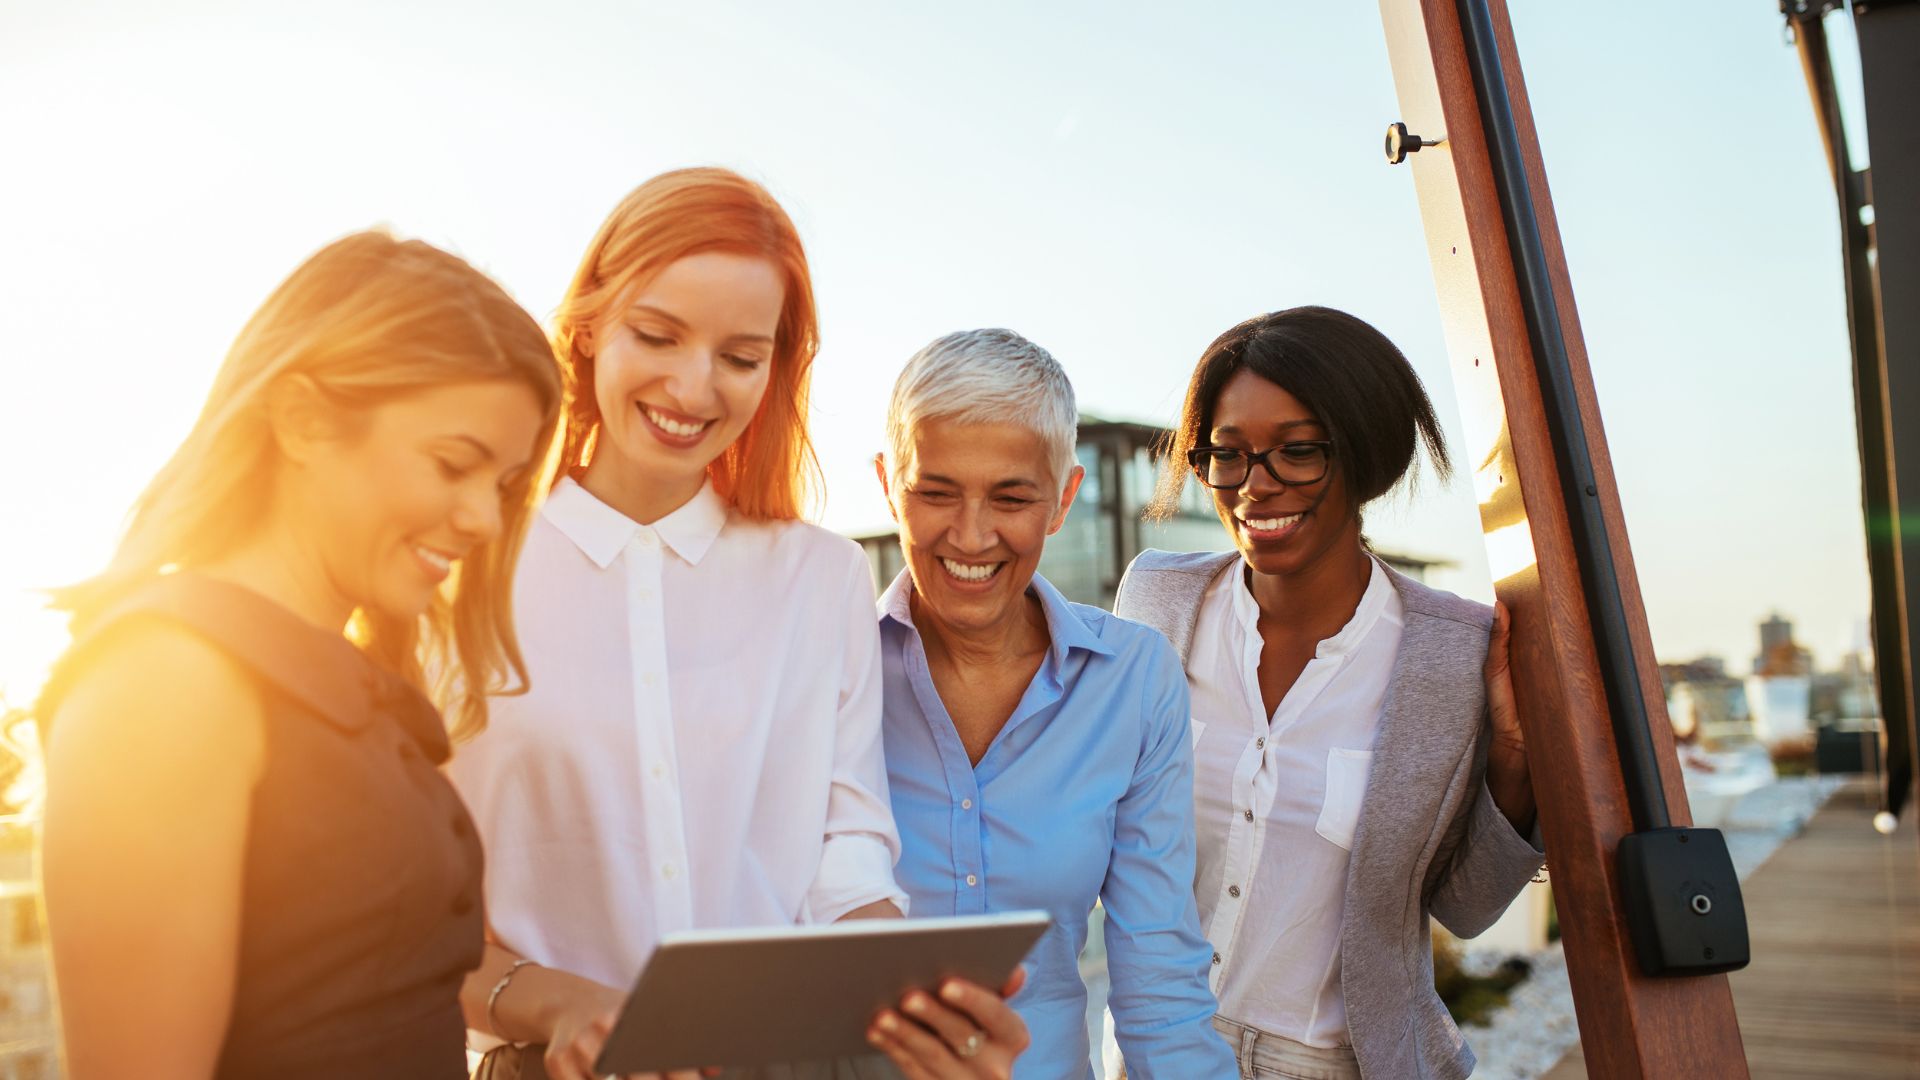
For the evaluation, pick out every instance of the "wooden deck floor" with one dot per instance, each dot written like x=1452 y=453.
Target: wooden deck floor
x=1834 y=987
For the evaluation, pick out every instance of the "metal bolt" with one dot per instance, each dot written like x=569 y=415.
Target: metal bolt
x=1701 y=903
x=1400 y=143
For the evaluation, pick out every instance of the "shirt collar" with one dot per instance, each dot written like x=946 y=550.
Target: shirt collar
x=1066 y=630
x=601 y=532
x=1372 y=602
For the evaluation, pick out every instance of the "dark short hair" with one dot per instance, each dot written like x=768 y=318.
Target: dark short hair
x=1358 y=385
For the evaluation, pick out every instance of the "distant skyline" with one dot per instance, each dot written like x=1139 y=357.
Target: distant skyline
x=1115 y=183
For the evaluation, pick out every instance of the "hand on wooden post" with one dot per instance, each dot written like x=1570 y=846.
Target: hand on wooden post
x=1508 y=776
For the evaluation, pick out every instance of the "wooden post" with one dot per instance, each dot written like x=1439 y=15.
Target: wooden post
x=1631 y=1025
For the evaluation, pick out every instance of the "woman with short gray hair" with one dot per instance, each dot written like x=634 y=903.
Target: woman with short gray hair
x=1038 y=752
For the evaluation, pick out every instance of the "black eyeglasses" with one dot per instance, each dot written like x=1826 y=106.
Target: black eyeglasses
x=1291 y=464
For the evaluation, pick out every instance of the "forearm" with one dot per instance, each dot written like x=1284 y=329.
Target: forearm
x=530 y=1006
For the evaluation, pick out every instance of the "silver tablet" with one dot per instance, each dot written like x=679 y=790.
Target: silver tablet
x=742 y=998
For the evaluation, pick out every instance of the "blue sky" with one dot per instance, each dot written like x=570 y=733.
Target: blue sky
x=1115 y=181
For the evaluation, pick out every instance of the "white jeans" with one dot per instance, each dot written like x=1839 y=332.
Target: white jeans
x=1266 y=1056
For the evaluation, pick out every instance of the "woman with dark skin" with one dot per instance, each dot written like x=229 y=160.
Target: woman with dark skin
x=1359 y=764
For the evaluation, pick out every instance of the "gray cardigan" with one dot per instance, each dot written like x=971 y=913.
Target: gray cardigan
x=1430 y=839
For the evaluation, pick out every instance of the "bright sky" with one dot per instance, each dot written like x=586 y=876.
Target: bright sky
x=1118 y=184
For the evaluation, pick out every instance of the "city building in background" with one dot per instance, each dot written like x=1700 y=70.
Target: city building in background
x=1104 y=530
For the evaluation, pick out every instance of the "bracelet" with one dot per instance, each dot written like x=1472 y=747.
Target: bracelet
x=493 y=1025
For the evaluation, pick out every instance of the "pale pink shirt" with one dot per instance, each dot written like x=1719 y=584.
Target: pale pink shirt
x=1276 y=800
x=701 y=744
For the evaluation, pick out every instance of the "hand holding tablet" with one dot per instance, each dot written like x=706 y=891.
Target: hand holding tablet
x=966 y=1031
x=815 y=992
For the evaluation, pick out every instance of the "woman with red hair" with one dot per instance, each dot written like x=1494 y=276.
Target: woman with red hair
x=701 y=747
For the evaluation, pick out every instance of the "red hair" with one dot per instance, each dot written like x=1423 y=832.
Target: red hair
x=770 y=472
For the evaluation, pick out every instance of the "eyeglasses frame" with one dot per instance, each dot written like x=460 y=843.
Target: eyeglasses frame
x=1262 y=459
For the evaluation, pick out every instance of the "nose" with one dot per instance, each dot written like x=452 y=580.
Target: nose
x=478 y=515
x=973 y=530
x=689 y=379
x=1259 y=484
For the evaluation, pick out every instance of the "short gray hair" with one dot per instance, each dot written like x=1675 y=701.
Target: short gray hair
x=990 y=376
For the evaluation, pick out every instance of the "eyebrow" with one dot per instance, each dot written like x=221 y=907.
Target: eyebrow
x=486 y=452
x=1021 y=481
x=1288 y=426
x=669 y=317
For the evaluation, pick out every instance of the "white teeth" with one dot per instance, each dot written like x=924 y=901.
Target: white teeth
x=433 y=558
x=1272 y=524
x=673 y=427
x=970 y=571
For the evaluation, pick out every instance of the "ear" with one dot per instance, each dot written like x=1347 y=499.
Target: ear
x=301 y=418
x=886 y=484
x=1067 y=493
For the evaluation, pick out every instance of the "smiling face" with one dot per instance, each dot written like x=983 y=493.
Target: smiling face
x=680 y=369
x=975 y=504
x=404 y=490
x=1279 y=529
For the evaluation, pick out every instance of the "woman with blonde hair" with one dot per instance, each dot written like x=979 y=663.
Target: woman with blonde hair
x=252 y=865
x=702 y=746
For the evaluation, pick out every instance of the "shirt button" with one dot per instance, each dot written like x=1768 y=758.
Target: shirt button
x=648 y=679
x=1249 y=814
x=659 y=771
x=1233 y=890
x=1216 y=959
x=668 y=871
x=971 y=880
x=645 y=538
x=1260 y=744
x=966 y=804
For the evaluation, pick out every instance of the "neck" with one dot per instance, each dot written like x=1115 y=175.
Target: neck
x=284 y=565
x=1021 y=632
x=1320 y=597
x=646 y=499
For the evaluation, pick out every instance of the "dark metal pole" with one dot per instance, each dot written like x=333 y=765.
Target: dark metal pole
x=1891 y=641
x=1639 y=765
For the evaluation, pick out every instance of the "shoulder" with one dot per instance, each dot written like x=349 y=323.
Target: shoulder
x=1202 y=564
x=1133 y=643
x=1163 y=588
x=1440 y=624
x=149 y=691
x=804 y=551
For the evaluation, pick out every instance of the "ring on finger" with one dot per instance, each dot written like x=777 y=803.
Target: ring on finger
x=971 y=1046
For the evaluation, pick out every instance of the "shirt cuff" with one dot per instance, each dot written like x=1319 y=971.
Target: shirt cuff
x=856 y=869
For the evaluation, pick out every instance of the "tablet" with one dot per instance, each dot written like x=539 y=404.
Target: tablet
x=743 y=998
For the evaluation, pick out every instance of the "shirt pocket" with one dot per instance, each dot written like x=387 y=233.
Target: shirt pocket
x=1346 y=791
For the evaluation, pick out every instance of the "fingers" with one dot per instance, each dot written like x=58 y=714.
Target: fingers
x=917 y=1053
x=573 y=1060
x=954 y=1027
x=1015 y=982
x=1498 y=642
x=988 y=1011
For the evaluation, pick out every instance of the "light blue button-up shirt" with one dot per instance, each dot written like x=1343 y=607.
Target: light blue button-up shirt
x=1086 y=794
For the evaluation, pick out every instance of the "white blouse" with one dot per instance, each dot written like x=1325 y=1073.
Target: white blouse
x=1276 y=800
x=701 y=743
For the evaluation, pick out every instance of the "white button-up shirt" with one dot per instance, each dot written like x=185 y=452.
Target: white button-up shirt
x=701 y=745
x=1276 y=800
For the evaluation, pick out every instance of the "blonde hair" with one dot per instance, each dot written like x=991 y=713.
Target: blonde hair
x=367 y=319
x=770 y=472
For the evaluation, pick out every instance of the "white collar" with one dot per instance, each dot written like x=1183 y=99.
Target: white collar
x=602 y=532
